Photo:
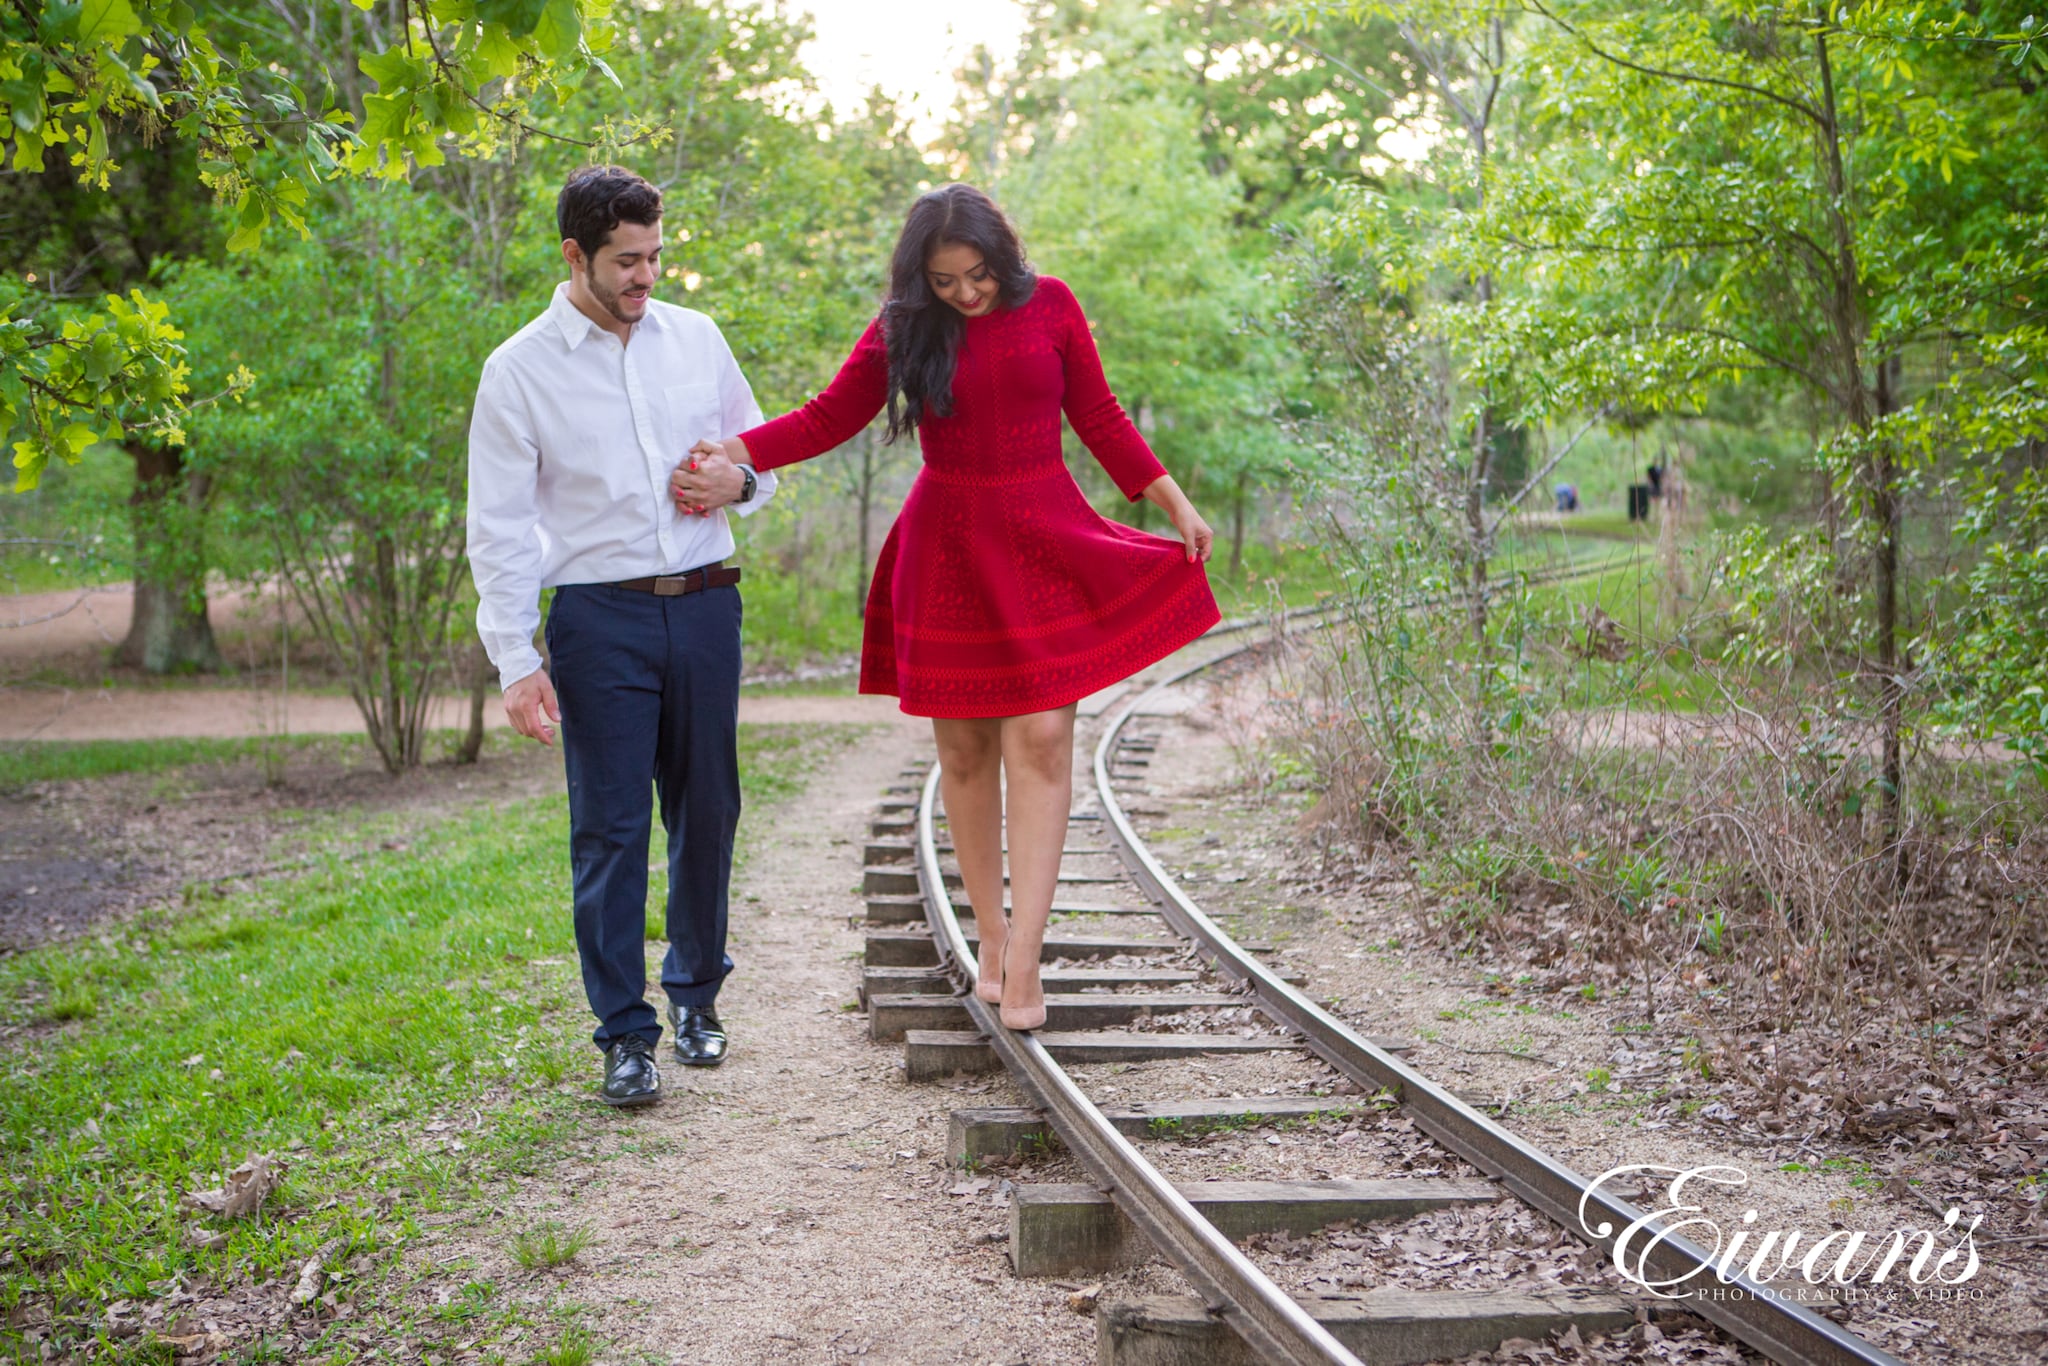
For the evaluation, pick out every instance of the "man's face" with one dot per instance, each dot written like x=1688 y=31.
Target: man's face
x=622 y=273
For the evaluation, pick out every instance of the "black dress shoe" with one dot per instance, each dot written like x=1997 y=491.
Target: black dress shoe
x=629 y=1074
x=700 y=1038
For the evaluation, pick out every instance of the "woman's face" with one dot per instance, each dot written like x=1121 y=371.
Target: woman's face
x=958 y=275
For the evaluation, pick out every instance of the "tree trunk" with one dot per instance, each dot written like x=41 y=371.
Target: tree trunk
x=481 y=676
x=169 y=632
x=1880 y=503
x=1237 y=525
x=1475 y=508
x=1886 y=512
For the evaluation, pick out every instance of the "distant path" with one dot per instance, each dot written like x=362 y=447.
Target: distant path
x=37 y=627
x=43 y=628
x=51 y=713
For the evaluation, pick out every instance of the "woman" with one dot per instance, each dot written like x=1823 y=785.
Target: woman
x=1001 y=598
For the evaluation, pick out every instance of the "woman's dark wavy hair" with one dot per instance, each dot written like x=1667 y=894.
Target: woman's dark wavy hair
x=922 y=330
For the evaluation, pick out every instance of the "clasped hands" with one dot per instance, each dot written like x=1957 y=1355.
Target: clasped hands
x=706 y=481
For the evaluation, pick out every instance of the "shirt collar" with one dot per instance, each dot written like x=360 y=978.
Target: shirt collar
x=574 y=326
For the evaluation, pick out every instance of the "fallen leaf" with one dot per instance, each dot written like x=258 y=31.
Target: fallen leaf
x=308 y=1287
x=1082 y=1301
x=248 y=1186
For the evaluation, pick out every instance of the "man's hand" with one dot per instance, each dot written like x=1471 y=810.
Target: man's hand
x=530 y=705
x=707 y=481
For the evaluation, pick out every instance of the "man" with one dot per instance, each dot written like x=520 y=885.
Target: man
x=580 y=419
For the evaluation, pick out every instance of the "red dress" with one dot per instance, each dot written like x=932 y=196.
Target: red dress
x=1000 y=590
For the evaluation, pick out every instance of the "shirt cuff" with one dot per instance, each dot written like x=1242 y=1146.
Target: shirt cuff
x=517 y=664
x=764 y=488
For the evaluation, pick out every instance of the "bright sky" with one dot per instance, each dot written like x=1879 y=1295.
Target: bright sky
x=908 y=47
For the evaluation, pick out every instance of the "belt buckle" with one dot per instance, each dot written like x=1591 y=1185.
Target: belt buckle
x=671 y=586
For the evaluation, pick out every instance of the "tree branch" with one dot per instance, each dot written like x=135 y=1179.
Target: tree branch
x=1688 y=77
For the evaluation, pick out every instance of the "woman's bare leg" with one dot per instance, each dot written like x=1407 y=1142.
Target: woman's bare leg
x=1038 y=774
x=970 y=780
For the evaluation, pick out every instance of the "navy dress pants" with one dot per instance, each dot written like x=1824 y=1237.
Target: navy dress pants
x=649 y=689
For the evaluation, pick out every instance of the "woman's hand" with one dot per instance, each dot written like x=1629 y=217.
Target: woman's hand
x=1194 y=532
x=709 y=479
x=1195 y=536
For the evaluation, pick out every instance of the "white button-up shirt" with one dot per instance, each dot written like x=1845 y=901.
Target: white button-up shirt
x=570 y=449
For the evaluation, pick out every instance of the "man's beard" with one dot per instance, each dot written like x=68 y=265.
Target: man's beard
x=611 y=300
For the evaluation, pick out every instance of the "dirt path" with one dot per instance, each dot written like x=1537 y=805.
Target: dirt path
x=793 y=1205
x=60 y=713
x=36 y=628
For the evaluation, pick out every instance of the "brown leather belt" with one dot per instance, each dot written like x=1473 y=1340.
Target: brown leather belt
x=713 y=575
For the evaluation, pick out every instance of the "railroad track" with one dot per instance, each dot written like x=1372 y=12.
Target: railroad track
x=1109 y=965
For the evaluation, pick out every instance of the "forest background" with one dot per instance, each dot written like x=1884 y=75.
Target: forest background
x=1756 y=772
x=1374 y=279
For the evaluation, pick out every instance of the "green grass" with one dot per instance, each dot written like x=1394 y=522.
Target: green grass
x=1298 y=574
x=574 y=1348
x=35 y=573
x=792 y=621
x=548 y=1245
x=326 y=1020
x=27 y=762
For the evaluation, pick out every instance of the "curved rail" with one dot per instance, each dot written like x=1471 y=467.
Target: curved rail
x=1264 y=1315
x=1787 y=1333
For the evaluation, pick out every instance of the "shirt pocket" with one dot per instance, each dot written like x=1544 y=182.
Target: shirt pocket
x=694 y=413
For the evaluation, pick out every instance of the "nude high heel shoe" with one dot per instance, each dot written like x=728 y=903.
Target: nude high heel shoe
x=1020 y=1018
x=987 y=990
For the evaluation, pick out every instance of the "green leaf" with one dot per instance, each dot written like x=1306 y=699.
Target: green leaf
x=79 y=437
x=393 y=69
x=560 y=30
x=497 y=55
x=28 y=152
x=29 y=459
x=248 y=235
x=106 y=21
x=519 y=17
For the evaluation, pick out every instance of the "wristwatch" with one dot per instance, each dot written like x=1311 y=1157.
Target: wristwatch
x=747 y=483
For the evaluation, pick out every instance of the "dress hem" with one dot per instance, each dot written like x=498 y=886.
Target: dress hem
x=1059 y=697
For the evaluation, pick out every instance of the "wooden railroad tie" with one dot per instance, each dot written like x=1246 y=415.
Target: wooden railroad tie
x=1008 y=1131
x=891 y=1017
x=909 y=910
x=1387 y=1327
x=1077 y=1230
x=899 y=848
x=915 y=949
x=929 y=1054
x=902 y=881
x=929 y=981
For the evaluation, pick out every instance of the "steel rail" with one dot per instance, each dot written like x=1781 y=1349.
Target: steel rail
x=1269 y=1320
x=1786 y=1332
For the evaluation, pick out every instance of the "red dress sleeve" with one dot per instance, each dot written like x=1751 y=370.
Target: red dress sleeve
x=848 y=404
x=1098 y=419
